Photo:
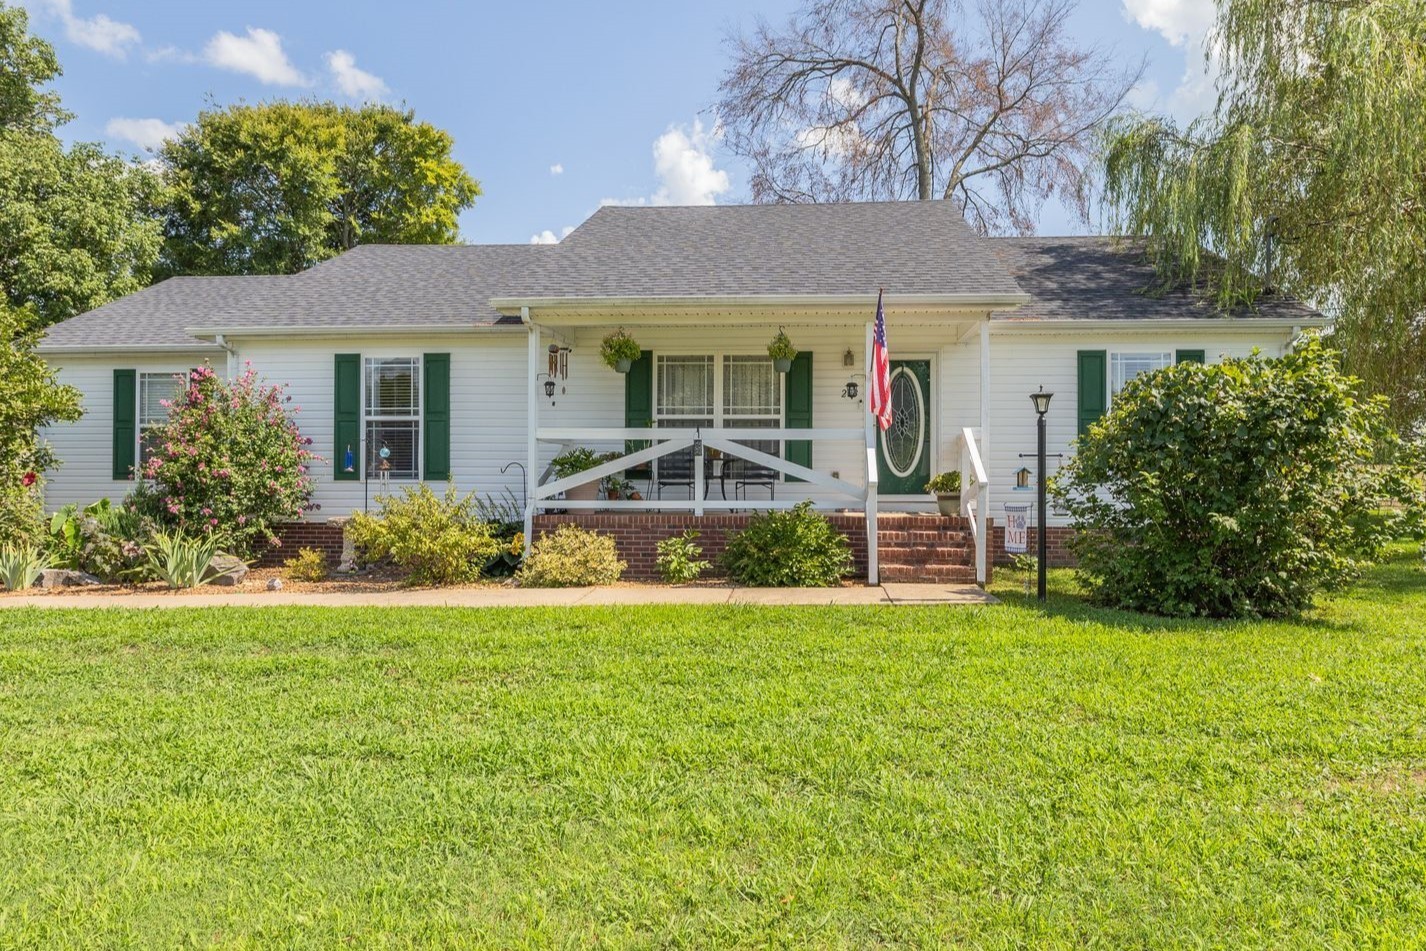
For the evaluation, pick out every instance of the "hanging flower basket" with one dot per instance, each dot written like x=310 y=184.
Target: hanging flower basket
x=620 y=350
x=781 y=351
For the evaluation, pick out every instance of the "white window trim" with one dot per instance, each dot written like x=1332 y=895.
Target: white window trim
x=719 y=416
x=420 y=417
x=140 y=427
x=1116 y=357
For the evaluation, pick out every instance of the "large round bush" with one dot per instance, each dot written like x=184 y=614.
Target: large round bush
x=228 y=461
x=1235 y=490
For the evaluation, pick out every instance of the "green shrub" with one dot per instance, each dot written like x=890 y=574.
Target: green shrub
x=571 y=557
x=181 y=561
x=30 y=399
x=20 y=566
x=105 y=540
x=440 y=540
x=228 y=461
x=308 y=564
x=797 y=548
x=679 y=558
x=1235 y=490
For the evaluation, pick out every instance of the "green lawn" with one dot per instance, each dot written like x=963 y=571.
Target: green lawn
x=728 y=776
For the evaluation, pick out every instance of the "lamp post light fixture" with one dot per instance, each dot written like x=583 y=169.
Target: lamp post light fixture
x=1041 y=401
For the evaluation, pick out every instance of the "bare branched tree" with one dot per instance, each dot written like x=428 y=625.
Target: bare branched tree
x=895 y=99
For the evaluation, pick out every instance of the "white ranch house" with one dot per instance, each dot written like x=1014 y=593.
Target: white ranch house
x=463 y=361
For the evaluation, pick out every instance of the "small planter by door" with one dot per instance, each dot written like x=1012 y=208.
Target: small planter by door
x=782 y=366
x=949 y=503
x=586 y=492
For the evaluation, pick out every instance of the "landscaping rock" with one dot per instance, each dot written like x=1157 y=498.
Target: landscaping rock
x=274 y=584
x=66 y=578
x=229 y=570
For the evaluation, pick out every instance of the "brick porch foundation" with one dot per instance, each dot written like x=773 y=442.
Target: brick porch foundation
x=326 y=537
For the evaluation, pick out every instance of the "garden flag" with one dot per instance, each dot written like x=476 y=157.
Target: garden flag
x=880 y=371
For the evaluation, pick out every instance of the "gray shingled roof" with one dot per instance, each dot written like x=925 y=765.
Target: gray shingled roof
x=750 y=250
x=906 y=247
x=1108 y=278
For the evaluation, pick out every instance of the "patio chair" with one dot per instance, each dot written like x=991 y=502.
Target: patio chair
x=747 y=473
x=675 y=469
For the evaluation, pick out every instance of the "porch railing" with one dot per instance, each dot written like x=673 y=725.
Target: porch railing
x=662 y=442
x=975 y=497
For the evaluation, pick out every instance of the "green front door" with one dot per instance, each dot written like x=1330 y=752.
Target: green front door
x=904 y=451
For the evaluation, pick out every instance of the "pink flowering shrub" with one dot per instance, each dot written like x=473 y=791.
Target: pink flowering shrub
x=229 y=461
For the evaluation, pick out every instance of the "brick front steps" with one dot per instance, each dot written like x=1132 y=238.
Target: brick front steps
x=925 y=548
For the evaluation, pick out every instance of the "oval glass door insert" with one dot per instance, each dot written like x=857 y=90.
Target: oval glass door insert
x=905 y=440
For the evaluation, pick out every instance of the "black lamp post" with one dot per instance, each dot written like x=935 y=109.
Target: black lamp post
x=1042 y=406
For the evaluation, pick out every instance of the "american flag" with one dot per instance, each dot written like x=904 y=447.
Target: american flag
x=880 y=371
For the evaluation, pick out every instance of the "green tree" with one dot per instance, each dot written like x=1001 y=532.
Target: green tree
x=277 y=187
x=30 y=398
x=77 y=226
x=1306 y=177
x=1237 y=489
x=27 y=63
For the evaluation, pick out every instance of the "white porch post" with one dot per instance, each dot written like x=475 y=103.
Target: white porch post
x=532 y=424
x=982 y=509
x=873 y=572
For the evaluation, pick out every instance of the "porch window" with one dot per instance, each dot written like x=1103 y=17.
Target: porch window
x=393 y=414
x=723 y=390
x=1123 y=367
x=154 y=390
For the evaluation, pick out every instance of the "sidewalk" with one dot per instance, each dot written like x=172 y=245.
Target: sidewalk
x=504 y=597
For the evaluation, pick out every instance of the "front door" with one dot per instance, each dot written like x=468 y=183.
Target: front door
x=904 y=450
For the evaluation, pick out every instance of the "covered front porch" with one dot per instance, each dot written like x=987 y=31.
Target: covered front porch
x=704 y=429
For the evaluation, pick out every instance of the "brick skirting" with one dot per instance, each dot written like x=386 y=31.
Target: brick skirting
x=637 y=535
x=1057 y=539
x=326 y=537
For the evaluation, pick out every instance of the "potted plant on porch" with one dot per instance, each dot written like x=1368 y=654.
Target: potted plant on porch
x=946 y=486
x=782 y=351
x=574 y=462
x=619 y=350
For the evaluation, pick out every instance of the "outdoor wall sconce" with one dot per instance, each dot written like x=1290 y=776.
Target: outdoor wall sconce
x=849 y=359
x=850 y=391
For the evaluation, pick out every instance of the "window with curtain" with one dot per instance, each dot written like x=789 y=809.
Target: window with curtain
x=393 y=415
x=731 y=390
x=155 y=389
x=1123 y=367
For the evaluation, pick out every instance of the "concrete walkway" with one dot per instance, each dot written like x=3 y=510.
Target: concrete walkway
x=506 y=597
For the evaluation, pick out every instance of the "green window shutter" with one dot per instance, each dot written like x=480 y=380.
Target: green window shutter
x=1093 y=387
x=437 y=409
x=797 y=393
x=346 y=425
x=126 y=408
x=639 y=398
x=1190 y=356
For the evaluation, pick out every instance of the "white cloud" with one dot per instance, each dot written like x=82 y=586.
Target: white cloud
x=147 y=134
x=548 y=237
x=258 y=54
x=353 y=82
x=1185 y=24
x=98 y=32
x=684 y=165
x=557 y=169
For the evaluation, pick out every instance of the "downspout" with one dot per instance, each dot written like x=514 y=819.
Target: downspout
x=232 y=353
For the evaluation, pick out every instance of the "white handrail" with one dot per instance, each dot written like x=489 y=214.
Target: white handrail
x=569 y=434
x=975 y=499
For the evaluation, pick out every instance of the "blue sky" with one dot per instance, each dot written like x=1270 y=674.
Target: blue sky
x=555 y=106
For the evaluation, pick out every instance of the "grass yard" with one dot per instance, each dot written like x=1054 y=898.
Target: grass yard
x=729 y=776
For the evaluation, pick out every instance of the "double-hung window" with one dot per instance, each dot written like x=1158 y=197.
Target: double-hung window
x=720 y=390
x=155 y=390
x=393 y=415
x=1123 y=367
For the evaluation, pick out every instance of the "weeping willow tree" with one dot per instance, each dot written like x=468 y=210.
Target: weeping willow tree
x=1308 y=177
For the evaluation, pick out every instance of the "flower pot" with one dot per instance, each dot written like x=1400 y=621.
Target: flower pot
x=622 y=365
x=782 y=366
x=949 y=503
x=588 y=491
